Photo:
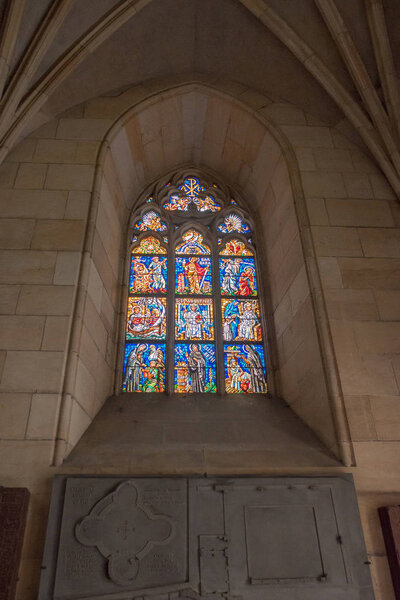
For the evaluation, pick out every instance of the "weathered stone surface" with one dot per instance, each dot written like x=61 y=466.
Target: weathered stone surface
x=183 y=538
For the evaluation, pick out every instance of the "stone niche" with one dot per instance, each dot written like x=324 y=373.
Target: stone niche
x=236 y=538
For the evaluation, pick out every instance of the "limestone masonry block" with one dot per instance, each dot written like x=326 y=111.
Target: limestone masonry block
x=14 y=411
x=360 y=213
x=317 y=212
x=26 y=266
x=8 y=298
x=386 y=413
x=388 y=302
x=323 y=185
x=333 y=159
x=378 y=337
x=77 y=205
x=31 y=176
x=307 y=136
x=370 y=273
x=55 y=333
x=82 y=129
x=45 y=300
x=55 y=234
x=351 y=305
x=380 y=242
x=66 y=268
x=69 y=177
x=360 y=417
x=336 y=241
x=14 y=329
x=357 y=185
x=42 y=421
x=32 y=371
x=36 y=204
x=16 y=233
x=330 y=273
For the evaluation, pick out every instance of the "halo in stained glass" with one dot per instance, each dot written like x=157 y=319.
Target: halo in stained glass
x=148 y=275
x=194 y=370
x=149 y=245
x=238 y=277
x=244 y=366
x=144 y=367
x=206 y=203
x=193 y=275
x=241 y=320
x=233 y=223
x=150 y=221
x=146 y=318
x=194 y=319
x=235 y=247
x=192 y=243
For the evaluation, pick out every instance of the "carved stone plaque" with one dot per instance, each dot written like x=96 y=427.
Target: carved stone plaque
x=255 y=538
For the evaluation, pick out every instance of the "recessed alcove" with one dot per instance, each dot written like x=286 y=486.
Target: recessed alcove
x=197 y=434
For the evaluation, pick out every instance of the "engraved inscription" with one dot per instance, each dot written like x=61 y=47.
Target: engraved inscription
x=77 y=563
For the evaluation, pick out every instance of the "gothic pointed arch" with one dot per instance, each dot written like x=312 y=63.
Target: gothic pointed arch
x=193 y=320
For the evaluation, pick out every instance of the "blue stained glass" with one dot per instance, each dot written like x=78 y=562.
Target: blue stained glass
x=146 y=318
x=194 y=319
x=238 y=277
x=244 y=369
x=193 y=275
x=192 y=187
x=194 y=368
x=148 y=275
x=241 y=320
x=233 y=224
x=144 y=368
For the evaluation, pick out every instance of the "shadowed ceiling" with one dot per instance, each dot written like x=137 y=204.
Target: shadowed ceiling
x=317 y=54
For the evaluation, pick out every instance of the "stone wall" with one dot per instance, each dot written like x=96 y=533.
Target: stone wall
x=65 y=209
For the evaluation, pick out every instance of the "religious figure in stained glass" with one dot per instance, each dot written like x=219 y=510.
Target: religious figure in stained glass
x=144 y=368
x=244 y=369
x=238 y=277
x=176 y=202
x=194 y=319
x=233 y=223
x=146 y=318
x=149 y=245
x=195 y=368
x=207 y=203
x=192 y=243
x=199 y=332
x=150 y=221
x=148 y=275
x=193 y=275
x=241 y=320
x=236 y=247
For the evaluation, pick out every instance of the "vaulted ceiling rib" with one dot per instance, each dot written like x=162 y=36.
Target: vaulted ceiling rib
x=325 y=54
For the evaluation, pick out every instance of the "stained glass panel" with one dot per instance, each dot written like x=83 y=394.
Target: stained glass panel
x=193 y=275
x=236 y=247
x=244 y=369
x=192 y=244
x=150 y=221
x=178 y=203
x=144 y=368
x=233 y=224
x=194 y=319
x=148 y=275
x=192 y=192
x=194 y=368
x=238 y=277
x=149 y=245
x=146 y=318
x=241 y=320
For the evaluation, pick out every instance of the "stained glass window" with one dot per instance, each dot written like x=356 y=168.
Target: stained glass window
x=193 y=282
x=192 y=193
x=233 y=224
x=150 y=221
